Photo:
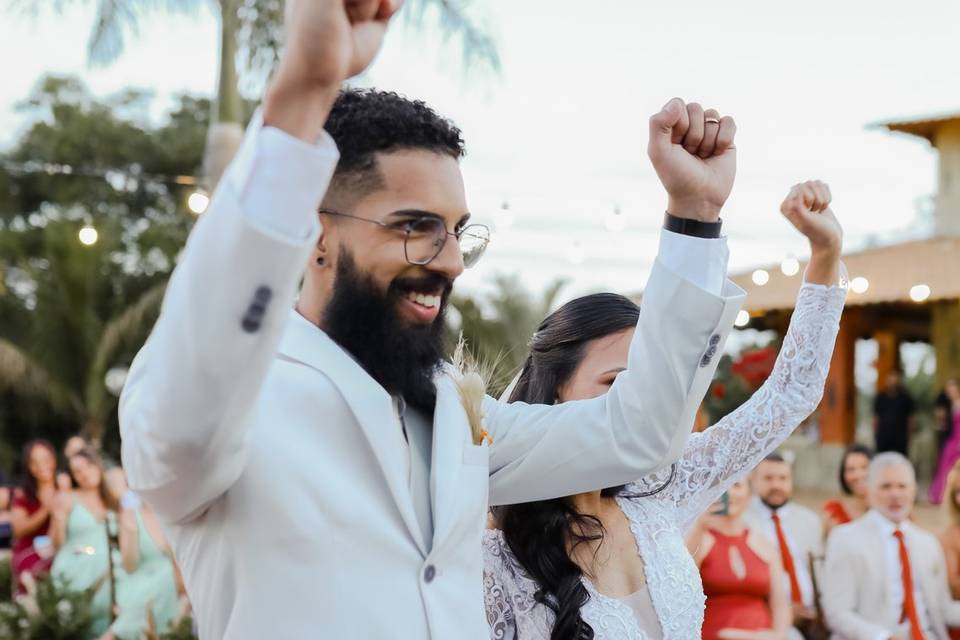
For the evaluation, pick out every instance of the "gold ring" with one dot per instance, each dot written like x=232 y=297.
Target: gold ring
x=712 y=120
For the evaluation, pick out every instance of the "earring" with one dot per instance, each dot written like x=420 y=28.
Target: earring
x=321 y=261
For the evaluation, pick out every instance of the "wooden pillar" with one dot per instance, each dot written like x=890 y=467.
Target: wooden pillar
x=838 y=414
x=945 y=336
x=888 y=355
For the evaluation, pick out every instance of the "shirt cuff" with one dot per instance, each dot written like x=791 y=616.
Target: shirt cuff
x=702 y=261
x=281 y=180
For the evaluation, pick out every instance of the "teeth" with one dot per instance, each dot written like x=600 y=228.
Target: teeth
x=424 y=300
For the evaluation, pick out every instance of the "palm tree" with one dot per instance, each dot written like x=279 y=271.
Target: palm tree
x=65 y=360
x=250 y=32
x=497 y=329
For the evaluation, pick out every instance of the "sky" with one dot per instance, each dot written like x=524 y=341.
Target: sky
x=560 y=133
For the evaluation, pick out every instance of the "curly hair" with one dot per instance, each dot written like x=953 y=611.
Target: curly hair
x=365 y=122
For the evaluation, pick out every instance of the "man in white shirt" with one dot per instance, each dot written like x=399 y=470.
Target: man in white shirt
x=318 y=470
x=885 y=578
x=794 y=529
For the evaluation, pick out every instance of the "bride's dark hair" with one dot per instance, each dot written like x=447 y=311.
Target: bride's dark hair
x=540 y=533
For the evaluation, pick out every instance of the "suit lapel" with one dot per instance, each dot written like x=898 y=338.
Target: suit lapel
x=370 y=404
x=450 y=436
x=876 y=553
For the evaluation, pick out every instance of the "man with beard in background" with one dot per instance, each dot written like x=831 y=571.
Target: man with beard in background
x=322 y=473
x=794 y=529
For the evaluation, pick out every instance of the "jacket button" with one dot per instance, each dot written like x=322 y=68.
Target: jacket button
x=263 y=295
x=429 y=573
x=714 y=339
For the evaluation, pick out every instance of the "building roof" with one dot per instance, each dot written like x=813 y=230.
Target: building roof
x=922 y=126
x=890 y=270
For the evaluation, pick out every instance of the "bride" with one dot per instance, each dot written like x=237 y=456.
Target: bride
x=611 y=564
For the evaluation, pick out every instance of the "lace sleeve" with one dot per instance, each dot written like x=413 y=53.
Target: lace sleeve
x=496 y=578
x=712 y=459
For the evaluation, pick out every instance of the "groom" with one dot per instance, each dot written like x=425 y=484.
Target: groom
x=315 y=467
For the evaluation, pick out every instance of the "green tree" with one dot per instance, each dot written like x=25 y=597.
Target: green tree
x=250 y=38
x=72 y=312
x=498 y=327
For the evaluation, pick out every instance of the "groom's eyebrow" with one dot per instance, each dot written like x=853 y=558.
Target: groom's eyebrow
x=614 y=370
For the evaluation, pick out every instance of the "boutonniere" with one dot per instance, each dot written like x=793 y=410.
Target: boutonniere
x=472 y=387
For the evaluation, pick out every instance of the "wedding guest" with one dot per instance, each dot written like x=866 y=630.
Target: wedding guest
x=611 y=563
x=893 y=415
x=943 y=412
x=148 y=598
x=82 y=522
x=795 y=530
x=950 y=453
x=743 y=578
x=6 y=525
x=885 y=577
x=30 y=513
x=950 y=537
x=74 y=445
x=853 y=502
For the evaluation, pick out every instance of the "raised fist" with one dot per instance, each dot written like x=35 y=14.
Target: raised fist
x=693 y=154
x=807 y=207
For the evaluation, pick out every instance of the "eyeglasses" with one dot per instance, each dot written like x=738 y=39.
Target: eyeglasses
x=426 y=235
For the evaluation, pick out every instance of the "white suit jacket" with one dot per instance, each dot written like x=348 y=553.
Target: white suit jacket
x=279 y=466
x=856 y=588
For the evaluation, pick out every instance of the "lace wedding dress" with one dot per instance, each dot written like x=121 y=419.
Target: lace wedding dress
x=710 y=463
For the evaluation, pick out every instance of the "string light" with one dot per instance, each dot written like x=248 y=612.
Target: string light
x=790 y=266
x=859 y=284
x=198 y=202
x=919 y=292
x=760 y=277
x=88 y=236
x=743 y=318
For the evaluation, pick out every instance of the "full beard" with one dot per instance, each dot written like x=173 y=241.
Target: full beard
x=365 y=321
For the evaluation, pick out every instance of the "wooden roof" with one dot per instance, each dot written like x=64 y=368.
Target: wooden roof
x=922 y=126
x=891 y=271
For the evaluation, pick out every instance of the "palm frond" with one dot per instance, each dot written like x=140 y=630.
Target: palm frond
x=126 y=327
x=19 y=372
x=114 y=18
x=478 y=46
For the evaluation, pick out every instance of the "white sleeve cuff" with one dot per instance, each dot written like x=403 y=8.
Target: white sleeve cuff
x=702 y=261
x=281 y=180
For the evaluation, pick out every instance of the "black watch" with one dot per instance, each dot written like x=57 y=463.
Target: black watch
x=694 y=228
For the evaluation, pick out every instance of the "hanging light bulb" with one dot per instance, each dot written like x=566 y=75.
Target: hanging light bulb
x=919 y=292
x=790 y=266
x=760 y=277
x=198 y=202
x=859 y=284
x=88 y=235
x=743 y=318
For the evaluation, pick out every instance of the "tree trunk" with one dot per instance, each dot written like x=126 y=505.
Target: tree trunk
x=226 y=127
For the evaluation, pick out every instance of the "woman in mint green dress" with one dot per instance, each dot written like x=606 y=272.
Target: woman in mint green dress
x=147 y=597
x=78 y=528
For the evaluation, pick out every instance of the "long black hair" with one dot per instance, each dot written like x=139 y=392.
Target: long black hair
x=852 y=450
x=540 y=533
x=29 y=484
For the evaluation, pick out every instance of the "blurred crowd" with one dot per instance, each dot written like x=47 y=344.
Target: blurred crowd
x=861 y=568
x=73 y=519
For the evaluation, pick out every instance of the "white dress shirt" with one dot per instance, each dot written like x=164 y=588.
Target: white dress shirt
x=891 y=558
x=800 y=559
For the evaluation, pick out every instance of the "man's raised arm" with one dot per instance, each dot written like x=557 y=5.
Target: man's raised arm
x=687 y=311
x=184 y=412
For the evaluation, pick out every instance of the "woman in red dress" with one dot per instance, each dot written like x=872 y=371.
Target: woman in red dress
x=30 y=513
x=742 y=575
x=853 y=482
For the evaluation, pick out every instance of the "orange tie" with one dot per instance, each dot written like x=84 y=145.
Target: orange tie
x=909 y=604
x=787 y=558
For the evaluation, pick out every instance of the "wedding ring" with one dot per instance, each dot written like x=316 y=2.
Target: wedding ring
x=712 y=120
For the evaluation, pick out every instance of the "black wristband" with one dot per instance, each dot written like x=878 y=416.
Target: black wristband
x=694 y=228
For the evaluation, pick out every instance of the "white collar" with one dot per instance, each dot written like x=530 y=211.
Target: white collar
x=887 y=526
